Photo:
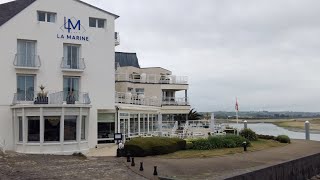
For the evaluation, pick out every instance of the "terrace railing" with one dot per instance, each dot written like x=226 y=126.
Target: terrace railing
x=151 y=78
x=61 y=97
x=73 y=64
x=27 y=61
x=173 y=101
x=128 y=98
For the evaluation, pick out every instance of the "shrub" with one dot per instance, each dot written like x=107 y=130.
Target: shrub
x=249 y=134
x=218 y=142
x=189 y=145
x=268 y=137
x=140 y=147
x=283 y=139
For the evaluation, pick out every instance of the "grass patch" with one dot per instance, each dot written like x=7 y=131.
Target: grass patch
x=314 y=124
x=261 y=144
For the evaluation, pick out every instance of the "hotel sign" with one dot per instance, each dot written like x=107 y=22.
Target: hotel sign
x=71 y=29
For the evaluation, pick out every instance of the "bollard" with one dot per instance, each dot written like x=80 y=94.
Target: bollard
x=132 y=162
x=245 y=123
x=244 y=144
x=141 y=166
x=155 y=172
x=307 y=129
x=128 y=157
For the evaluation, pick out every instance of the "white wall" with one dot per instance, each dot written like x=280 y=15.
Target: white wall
x=97 y=78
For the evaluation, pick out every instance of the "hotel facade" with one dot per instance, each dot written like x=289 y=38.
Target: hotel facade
x=65 y=89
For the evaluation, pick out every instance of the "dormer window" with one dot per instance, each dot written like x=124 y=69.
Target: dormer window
x=96 y=22
x=47 y=17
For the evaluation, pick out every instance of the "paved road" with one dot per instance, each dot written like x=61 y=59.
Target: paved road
x=226 y=166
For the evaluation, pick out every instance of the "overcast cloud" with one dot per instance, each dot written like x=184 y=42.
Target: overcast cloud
x=264 y=52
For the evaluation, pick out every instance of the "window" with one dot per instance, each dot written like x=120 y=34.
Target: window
x=52 y=129
x=140 y=91
x=134 y=124
x=26 y=53
x=70 y=128
x=20 y=129
x=47 y=16
x=33 y=129
x=83 y=128
x=71 y=89
x=25 y=88
x=97 y=23
x=106 y=125
x=71 y=58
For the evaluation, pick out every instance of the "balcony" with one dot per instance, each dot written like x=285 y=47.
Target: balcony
x=73 y=65
x=151 y=78
x=54 y=98
x=134 y=99
x=23 y=61
x=116 y=38
x=173 y=101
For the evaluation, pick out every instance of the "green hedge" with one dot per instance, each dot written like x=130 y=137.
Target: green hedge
x=218 y=142
x=280 y=138
x=283 y=139
x=249 y=134
x=268 y=137
x=148 y=146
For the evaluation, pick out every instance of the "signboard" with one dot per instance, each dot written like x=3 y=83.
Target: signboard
x=71 y=29
x=117 y=136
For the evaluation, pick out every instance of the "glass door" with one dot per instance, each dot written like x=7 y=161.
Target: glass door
x=72 y=56
x=71 y=87
x=25 y=88
x=124 y=126
x=26 y=53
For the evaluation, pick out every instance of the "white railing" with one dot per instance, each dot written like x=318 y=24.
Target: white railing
x=61 y=97
x=199 y=124
x=129 y=98
x=173 y=101
x=27 y=61
x=116 y=38
x=73 y=64
x=151 y=78
x=175 y=128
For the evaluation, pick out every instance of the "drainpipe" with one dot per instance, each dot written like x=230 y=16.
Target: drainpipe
x=117 y=119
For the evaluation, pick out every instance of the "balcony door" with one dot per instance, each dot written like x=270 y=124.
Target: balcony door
x=71 y=56
x=25 y=88
x=71 y=87
x=26 y=53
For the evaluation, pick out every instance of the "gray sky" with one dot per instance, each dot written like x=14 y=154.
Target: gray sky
x=265 y=52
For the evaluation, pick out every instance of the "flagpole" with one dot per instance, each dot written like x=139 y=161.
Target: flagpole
x=237 y=117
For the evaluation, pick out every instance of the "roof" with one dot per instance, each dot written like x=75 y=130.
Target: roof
x=116 y=16
x=127 y=59
x=10 y=9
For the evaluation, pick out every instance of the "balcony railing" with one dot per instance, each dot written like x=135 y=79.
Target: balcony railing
x=173 y=101
x=68 y=64
x=128 y=98
x=32 y=97
x=151 y=78
x=23 y=61
x=117 y=38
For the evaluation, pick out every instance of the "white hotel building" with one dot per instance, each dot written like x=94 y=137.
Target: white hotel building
x=68 y=46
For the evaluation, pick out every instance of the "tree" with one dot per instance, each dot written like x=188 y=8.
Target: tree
x=194 y=115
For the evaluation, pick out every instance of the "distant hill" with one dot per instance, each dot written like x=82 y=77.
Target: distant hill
x=261 y=115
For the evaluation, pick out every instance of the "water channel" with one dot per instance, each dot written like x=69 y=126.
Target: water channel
x=271 y=129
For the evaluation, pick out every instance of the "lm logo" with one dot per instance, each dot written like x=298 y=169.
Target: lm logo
x=72 y=25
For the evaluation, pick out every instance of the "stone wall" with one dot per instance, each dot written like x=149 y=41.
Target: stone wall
x=303 y=168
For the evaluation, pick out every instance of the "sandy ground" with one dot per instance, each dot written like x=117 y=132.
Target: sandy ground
x=103 y=150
